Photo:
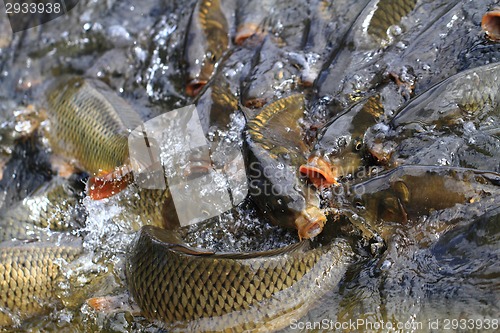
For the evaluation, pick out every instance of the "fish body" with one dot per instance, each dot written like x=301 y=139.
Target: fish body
x=88 y=126
x=146 y=207
x=274 y=150
x=206 y=42
x=190 y=289
x=471 y=94
x=28 y=277
x=216 y=104
x=464 y=108
x=272 y=73
x=52 y=207
x=380 y=15
x=409 y=192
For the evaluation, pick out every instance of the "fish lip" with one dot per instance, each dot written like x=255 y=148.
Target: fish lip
x=310 y=223
x=306 y=82
x=255 y=103
x=245 y=31
x=194 y=87
x=106 y=185
x=319 y=171
x=378 y=152
x=490 y=24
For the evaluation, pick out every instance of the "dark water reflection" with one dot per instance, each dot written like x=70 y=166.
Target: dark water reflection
x=431 y=274
x=421 y=288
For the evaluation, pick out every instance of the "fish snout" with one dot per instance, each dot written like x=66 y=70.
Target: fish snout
x=255 y=103
x=194 y=87
x=246 y=31
x=319 y=171
x=310 y=223
x=491 y=24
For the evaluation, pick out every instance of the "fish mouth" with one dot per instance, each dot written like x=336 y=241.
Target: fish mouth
x=245 y=31
x=380 y=153
x=106 y=185
x=255 y=103
x=319 y=171
x=491 y=24
x=194 y=87
x=310 y=223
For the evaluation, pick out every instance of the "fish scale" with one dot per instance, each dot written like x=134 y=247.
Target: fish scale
x=50 y=207
x=389 y=13
x=176 y=287
x=273 y=147
x=89 y=124
x=29 y=271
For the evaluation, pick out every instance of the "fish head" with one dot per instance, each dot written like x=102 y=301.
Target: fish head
x=379 y=144
x=272 y=75
x=200 y=70
x=325 y=161
x=287 y=200
x=376 y=201
x=310 y=222
x=491 y=24
x=206 y=42
x=340 y=144
x=251 y=18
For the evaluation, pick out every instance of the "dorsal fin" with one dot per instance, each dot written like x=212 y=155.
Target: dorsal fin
x=173 y=242
x=277 y=124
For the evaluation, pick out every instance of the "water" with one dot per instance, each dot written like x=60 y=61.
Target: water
x=439 y=272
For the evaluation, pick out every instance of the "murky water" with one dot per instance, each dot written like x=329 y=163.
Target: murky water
x=438 y=272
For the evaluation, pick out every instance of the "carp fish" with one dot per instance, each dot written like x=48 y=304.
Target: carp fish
x=53 y=206
x=339 y=145
x=191 y=289
x=206 y=42
x=28 y=276
x=250 y=18
x=368 y=34
x=409 y=192
x=272 y=73
x=274 y=150
x=88 y=125
x=471 y=94
x=463 y=107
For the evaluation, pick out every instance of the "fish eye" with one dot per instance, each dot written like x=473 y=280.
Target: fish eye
x=358 y=145
x=358 y=204
x=211 y=57
x=342 y=142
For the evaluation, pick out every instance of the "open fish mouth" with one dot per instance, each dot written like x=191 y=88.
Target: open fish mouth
x=491 y=24
x=194 y=87
x=255 y=103
x=310 y=223
x=319 y=171
x=245 y=31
